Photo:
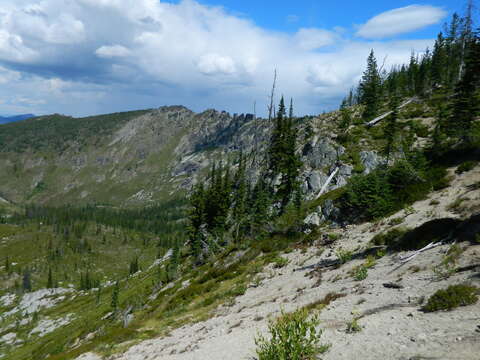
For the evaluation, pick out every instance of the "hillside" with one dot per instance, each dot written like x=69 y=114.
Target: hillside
x=14 y=118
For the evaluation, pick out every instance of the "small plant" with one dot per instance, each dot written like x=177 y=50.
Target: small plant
x=455 y=205
x=409 y=210
x=293 y=336
x=279 y=262
x=343 y=256
x=370 y=261
x=333 y=237
x=452 y=297
x=380 y=253
x=360 y=273
x=353 y=326
x=390 y=237
x=395 y=221
x=466 y=166
x=477 y=238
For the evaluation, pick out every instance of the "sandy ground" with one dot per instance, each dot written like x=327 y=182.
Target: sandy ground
x=392 y=325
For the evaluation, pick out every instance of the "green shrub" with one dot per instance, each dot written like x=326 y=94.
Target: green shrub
x=279 y=262
x=390 y=237
x=343 y=256
x=385 y=191
x=466 y=166
x=293 y=337
x=452 y=297
x=353 y=326
x=360 y=273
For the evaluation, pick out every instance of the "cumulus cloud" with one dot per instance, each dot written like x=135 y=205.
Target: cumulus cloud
x=311 y=39
x=212 y=64
x=400 y=21
x=126 y=54
x=112 y=51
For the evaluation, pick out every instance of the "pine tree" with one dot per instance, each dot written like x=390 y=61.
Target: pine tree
x=370 y=88
x=260 y=203
x=26 y=281
x=466 y=102
x=174 y=262
x=115 y=295
x=134 y=266
x=197 y=218
x=50 y=279
x=277 y=142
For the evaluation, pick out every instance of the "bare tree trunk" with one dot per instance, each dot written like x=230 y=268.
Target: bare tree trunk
x=271 y=106
x=381 y=117
x=329 y=180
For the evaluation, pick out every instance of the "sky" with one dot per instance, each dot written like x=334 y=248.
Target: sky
x=86 y=57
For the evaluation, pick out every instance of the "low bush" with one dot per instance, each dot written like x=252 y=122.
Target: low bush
x=293 y=337
x=343 y=256
x=360 y=273
x=451 y=298
x=390 y=237
x=385 y=191
x=466 y=166
x=404 y=239
x=279 y=262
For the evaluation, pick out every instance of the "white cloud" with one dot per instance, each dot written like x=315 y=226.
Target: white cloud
x=312 y=39
x=125 y=54
x=212 y=64
x=400 y=21
x=112 y=51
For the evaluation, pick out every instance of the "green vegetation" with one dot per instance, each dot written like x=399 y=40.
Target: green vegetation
x=343 y=256
x=385 y=191
x=360 y=273
x=353 y=326
x=466 y=166
x=452 y=297
x=58 y=131
x=294 y=336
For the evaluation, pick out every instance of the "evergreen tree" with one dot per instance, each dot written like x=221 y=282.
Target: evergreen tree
x=370 y=88
x=466 y=102
x=197 y=217
x=134 y=266
x=50 y=279
x=115 y=295
x=260 y=203
x=26 y=281
x=284 y=162
x=174 y=262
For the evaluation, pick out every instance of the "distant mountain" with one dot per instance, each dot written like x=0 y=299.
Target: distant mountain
x=14 y=118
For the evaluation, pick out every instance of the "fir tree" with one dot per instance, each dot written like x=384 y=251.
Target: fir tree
x=370 y=88
x=50 y=279
x=466 y=102
x=115 y=295
x=26 y=281
x=197 y=217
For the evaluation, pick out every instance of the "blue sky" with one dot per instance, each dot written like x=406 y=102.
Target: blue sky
x=82 y=57
x=290 y=15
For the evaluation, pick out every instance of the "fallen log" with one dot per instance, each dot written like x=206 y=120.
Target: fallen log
x=381 y=117
x=329 y=180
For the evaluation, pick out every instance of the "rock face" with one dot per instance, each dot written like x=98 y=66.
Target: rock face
x=158 y=152
x=370 y=160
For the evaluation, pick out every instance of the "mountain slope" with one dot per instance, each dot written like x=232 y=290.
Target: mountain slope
x=14 y=118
